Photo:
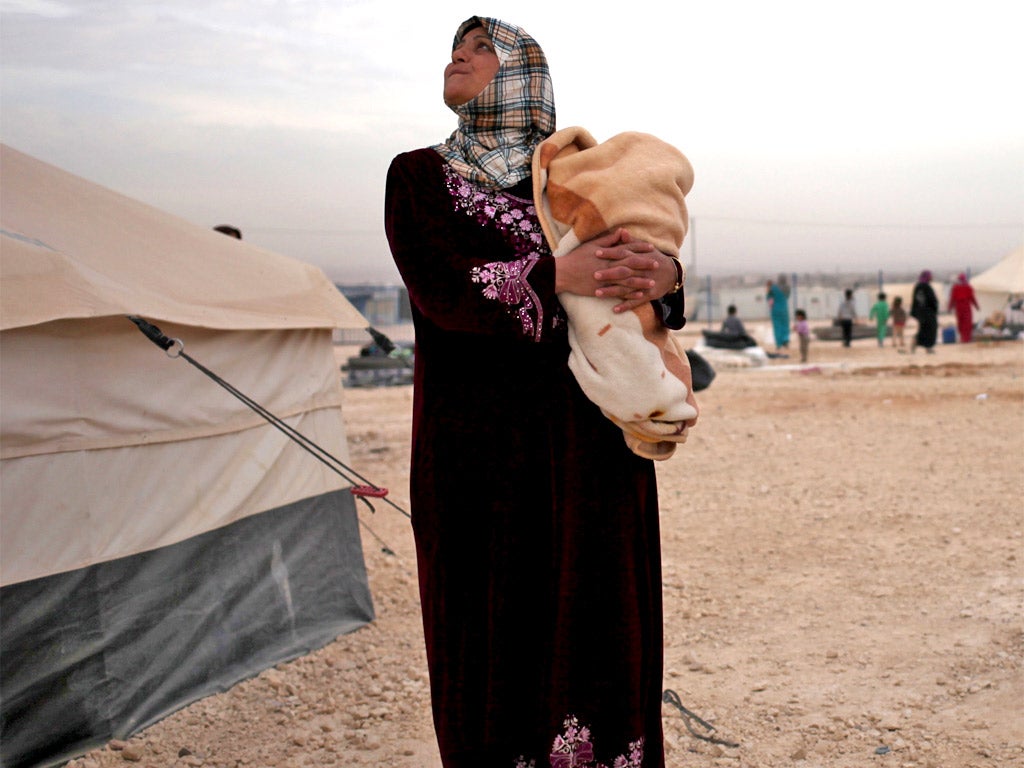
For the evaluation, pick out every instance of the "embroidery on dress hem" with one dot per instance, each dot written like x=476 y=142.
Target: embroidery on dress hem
x=573 y=748
x=516 y=219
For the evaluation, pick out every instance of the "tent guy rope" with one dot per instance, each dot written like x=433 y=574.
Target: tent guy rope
x=361 y=490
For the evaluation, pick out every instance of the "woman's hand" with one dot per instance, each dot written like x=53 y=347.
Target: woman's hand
x=616 y=266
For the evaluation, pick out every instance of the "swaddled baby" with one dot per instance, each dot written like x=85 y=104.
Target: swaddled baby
x=628 y=363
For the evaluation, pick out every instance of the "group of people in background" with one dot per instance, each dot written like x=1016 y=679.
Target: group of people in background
x=924 y=308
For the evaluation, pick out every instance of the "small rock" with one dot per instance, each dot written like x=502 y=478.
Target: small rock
x=371 y=742
x=132 y=753
x=116 y=744
x=889 y=722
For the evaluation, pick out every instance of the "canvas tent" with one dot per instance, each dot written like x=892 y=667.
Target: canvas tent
x=1000 y=284
x=159 y=541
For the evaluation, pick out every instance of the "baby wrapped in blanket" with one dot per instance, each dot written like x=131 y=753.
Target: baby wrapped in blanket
x=627 y=363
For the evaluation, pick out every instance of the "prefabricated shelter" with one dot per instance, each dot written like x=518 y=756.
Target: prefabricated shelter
x=1000 y=284
x=159 y=541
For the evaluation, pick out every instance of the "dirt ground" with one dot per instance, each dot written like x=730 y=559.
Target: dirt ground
x=843 y=546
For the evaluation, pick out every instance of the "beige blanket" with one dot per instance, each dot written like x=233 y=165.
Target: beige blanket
x=627 y=363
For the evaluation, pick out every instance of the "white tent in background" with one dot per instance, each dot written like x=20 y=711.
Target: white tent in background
x=1000 y=283
x=160 y=540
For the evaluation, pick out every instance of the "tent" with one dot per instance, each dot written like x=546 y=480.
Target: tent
x=160 y=541
x=1000 y=284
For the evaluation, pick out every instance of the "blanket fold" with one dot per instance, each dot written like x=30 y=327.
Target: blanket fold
x=628 y=363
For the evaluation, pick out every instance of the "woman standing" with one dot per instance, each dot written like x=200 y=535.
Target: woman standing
x=778 y=302
x=924 y=307
x=537 y=530
x=963 y=302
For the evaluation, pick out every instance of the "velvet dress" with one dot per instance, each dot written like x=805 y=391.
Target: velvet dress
x=537 y=530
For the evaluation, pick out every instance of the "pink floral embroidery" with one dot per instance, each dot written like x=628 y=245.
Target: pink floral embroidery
x=506 y=282
x=516 y=219
x=574 y=749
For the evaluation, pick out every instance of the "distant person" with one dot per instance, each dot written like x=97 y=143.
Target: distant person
x=778 y=303
x=803 y=333
x=899 y=322
x=227 y=229
x=732 y=325
x=924 y=307
x=732 y=334
x=963 y=302
x=880 y=314
x=846 y=315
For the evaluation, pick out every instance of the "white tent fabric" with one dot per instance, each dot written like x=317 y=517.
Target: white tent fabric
x=1000 y=283
x=160 y=540
x=89 y=406
x=72 y=248
x=102 y=423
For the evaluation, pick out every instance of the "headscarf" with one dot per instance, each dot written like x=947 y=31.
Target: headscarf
x=499 y=128
x=926 y=276
x=784 y=284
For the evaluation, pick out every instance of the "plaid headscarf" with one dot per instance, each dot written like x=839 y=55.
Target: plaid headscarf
x=499 y=128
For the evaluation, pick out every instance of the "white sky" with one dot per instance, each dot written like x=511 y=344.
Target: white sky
x=825 y=136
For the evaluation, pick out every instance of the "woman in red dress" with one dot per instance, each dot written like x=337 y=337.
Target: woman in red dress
x=963 y=302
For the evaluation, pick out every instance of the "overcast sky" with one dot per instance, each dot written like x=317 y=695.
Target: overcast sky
x=825 y=136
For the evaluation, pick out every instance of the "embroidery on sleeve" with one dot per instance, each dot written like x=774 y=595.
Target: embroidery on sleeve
x=573 y=749
x=506 y=282
x=516 y=219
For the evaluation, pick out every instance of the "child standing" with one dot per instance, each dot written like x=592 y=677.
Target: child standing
x=803 y=332
x=880 y=314
x=899 y=319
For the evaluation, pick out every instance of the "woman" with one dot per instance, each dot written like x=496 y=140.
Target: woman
x=963 y=302
x=536 y=528
x=924 y=307
x=778 y=301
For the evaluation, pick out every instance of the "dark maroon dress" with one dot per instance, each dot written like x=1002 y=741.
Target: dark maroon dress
x=536 y=528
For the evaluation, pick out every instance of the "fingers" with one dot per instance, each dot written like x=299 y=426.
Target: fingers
x=630 y=304
x=627 y=268
x=624 y=250
x=633 y=288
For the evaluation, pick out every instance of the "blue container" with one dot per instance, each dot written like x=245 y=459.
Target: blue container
x=949 y=335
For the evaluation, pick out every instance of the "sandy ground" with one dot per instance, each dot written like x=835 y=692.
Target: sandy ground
x=843 y=581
